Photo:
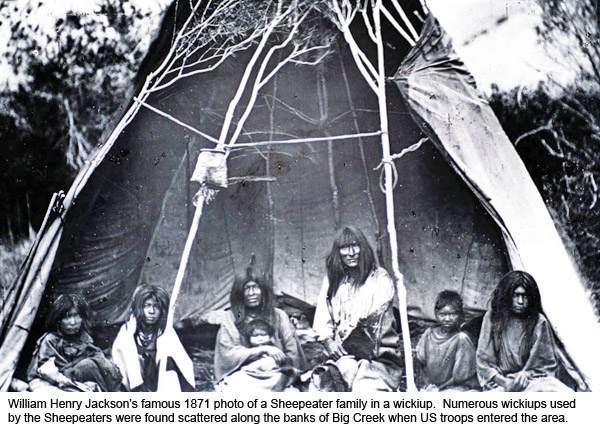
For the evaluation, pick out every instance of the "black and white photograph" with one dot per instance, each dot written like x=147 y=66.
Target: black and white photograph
x=299 y=196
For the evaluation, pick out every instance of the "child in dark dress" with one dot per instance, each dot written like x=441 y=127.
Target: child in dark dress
x=66 y=358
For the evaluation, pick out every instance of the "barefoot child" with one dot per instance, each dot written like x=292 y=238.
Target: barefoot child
x=446 y=355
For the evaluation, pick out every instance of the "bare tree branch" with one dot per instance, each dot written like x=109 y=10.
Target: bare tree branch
x=547 y=127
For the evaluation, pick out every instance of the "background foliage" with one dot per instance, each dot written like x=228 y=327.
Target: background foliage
x=68 y=76
x=558 y=139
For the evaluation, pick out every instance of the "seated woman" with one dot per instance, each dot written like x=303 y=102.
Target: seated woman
x=354 y=316
x=236 y=368
x=66 y=357
x=150 y=355
x=447 y=355
x=516 y=349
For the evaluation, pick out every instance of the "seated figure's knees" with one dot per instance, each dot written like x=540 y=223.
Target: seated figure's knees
x=85 y=370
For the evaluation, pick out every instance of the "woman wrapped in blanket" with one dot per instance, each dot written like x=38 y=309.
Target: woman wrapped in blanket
x=516 y=349
x=354 y=316
x=65 y=357
x=150 y=355
x=237 y=361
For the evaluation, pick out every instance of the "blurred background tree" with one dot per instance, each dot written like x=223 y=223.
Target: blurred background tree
x=556 y=130
x=66 y=73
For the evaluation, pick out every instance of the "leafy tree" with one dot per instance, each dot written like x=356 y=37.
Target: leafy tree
x=67 y=82
x=75 y=77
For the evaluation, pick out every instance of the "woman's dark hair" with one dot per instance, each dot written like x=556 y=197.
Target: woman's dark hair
x=144 y=292
x=236 y=299
x=63 y=304
x=502 y=306
x=259 y=324
x=336 y=270
x=449 y=298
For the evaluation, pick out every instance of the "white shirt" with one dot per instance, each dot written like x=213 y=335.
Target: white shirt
x=350 y=304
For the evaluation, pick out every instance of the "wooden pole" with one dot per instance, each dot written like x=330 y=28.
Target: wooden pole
x=389 y=201
x=184 y=259
x=202 y=198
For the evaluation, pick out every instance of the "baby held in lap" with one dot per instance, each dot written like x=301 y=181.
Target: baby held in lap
x=260 y=333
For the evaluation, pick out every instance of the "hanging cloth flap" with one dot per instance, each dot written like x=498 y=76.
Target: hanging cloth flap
x=31 y=290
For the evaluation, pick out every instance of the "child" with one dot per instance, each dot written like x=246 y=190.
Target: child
x=260 y=371
x=260 y=333
x=446 y=354
x=145 y=342
x=65 y=357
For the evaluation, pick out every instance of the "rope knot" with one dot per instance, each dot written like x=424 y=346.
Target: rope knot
x=390 y=160
x=205 y=194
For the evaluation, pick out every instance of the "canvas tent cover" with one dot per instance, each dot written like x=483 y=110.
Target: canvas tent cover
x=456 y=205
x=138 y=202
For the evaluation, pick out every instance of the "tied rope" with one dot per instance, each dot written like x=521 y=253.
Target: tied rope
x=211 y=173
x=390 y=161
x=204 y=195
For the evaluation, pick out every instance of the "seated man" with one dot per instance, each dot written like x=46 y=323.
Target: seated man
x=354 y=316
x=447 y=355
x=516 y=350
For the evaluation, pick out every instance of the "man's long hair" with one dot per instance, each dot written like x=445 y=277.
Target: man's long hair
x=236 y=299
x=63 y=304
x=145 y=292
x=337 y=271
x=502 y=303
